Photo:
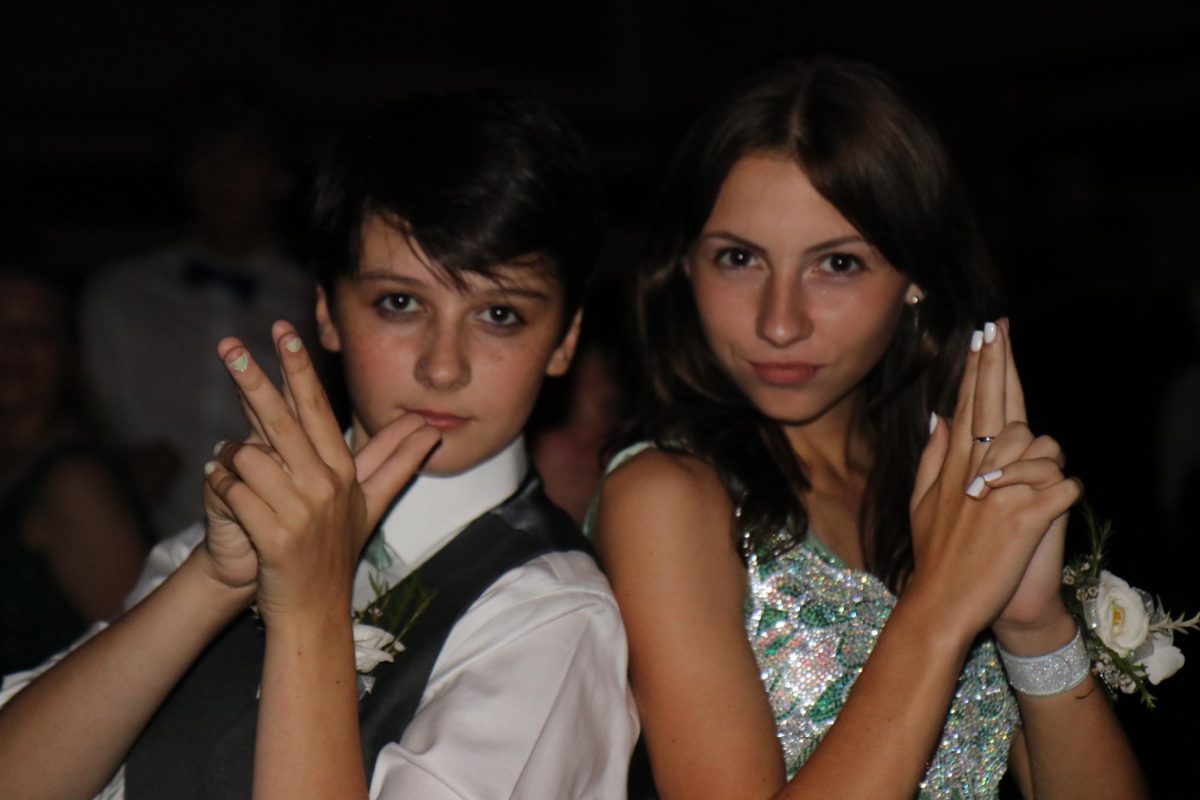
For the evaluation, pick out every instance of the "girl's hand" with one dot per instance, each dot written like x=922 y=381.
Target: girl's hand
x=987 y=516
x=306 y=504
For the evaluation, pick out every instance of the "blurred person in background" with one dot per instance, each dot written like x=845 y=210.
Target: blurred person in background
x=149 y=323
x=72 y=538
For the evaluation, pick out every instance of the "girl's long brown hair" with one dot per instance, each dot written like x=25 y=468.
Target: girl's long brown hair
x=872 y=156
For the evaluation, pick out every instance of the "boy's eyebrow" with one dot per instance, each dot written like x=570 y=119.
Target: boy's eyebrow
x=495 y=286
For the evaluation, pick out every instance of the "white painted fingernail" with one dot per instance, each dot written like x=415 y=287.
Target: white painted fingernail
x=218 y=447
x=976 y=487
x=988 y=477
x=932 y=423
x=241 y=362
x=210 y=467
x=989 y=332
x=976 y=341
x=292 y=345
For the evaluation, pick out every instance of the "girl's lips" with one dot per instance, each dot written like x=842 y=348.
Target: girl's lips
x=784 y=373
x=442 y=421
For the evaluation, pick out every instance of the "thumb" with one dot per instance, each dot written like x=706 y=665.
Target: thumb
x=932 y=458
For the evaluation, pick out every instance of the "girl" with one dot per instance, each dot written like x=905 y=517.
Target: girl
x=795 y=520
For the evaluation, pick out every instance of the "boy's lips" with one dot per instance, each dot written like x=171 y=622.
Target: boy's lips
x=440 y=419
x=784 y=373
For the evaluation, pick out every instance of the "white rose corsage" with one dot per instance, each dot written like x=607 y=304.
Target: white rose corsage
x=382 y=624
x=1129 y=635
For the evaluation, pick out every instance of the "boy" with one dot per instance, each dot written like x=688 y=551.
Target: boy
x=453 y=238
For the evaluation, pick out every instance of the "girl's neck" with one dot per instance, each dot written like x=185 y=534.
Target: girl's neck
x=832 y=447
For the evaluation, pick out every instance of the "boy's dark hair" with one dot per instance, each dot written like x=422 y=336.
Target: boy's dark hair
x=478 y=180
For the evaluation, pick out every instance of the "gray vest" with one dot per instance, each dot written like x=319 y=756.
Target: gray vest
x=200 y=743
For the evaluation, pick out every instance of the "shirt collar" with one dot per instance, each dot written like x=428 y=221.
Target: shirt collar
x=435 y=508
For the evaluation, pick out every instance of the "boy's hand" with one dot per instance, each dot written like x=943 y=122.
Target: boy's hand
x=306 y=504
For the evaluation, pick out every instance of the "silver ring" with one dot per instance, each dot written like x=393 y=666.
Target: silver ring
x=983 y=439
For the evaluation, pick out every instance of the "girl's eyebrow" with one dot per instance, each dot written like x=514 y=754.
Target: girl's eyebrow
x=820 y=247
x=734 y=239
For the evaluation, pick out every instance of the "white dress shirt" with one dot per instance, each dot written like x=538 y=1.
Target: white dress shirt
x=529 y=697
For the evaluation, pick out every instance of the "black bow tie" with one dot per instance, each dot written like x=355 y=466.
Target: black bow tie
x=201 y=273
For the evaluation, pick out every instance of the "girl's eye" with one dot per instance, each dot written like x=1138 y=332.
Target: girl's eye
x=840 y=263
x=502 y=316
x=735 y=257
x=398 y=303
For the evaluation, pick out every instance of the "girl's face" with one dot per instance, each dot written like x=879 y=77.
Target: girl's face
x=469 y=360
x=796 y=306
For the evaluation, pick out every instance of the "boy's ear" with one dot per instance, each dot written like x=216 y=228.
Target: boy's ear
x=560 y=359
x=327 y=331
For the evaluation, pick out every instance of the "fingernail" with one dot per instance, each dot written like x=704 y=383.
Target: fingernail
x=210 y=467
x=932 y=423
x=976 y=341
x=292 y=345
x=989 y=332
x=976 y=487
x=218 y=447
x=241 y=362
x=988 y=477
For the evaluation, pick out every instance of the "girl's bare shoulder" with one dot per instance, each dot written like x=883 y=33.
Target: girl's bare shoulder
x=658 y=498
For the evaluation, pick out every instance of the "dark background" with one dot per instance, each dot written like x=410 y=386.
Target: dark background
x=1075 y=129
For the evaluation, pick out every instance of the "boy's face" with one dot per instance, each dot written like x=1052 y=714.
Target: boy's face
x=470 y=361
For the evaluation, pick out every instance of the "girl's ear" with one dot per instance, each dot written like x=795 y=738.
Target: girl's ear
x=327 y=331
x=560 y=359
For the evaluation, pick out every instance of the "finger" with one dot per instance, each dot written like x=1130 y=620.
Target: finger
x=1056 y=500
x=262 y=470
x=1046 y=447
x=1011 y=445
x=932 y=458
x=394 y=472
x=959 y=451
x=306 y=397
x=989 y=392
x=1039 y=474
x=1014 y=395
x=380 y=446
x=277 y=425
x=245 y=507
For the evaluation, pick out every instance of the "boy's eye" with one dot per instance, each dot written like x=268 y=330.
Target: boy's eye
x=502 y=316
x=840 y=263
x=397 y=303
x=735 y=257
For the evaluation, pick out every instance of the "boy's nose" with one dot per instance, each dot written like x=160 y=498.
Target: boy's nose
x=782 y=312
x=443 y=364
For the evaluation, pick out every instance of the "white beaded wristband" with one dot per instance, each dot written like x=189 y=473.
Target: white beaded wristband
x=1049 y=674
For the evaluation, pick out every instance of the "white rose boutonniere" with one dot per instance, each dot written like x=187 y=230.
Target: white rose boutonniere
x=1129 y=636
x=373 y=646
x=380 y=627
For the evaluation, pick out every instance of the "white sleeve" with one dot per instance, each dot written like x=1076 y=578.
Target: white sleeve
x=528 y=699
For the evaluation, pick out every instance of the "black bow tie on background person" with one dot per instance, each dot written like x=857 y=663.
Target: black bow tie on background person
x=201 y=273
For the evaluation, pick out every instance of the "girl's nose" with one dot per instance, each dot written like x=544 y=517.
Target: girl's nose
x=783 y=313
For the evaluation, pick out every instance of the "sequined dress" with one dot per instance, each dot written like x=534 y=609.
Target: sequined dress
x=812 y=622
